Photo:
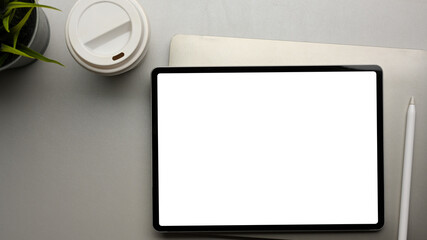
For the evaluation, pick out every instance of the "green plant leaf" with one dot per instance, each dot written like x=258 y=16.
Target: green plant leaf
x=17 y=28
x=15 y=5
x=36 y=55
x=9 y=18
x=6 y=23
x=8 y=49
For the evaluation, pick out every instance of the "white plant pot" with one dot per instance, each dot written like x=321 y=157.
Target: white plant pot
x=38 y=42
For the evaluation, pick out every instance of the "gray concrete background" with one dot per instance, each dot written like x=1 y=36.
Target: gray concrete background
x=75 y=147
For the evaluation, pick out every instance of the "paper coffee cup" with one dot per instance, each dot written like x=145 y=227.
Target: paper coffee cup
x=108 y=37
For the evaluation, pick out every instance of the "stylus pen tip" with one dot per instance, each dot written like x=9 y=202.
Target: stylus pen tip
x=412 y=101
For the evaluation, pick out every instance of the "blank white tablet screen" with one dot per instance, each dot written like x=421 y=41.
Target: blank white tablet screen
x=267 y=148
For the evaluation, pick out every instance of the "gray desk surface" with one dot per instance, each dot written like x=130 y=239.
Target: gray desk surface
x=75 y=147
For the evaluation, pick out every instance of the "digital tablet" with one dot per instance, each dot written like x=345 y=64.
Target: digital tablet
x=267 y=148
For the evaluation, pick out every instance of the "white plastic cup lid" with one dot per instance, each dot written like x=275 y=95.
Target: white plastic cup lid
x=107 y=36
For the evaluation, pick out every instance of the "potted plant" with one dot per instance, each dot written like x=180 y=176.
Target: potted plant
x=24 y=33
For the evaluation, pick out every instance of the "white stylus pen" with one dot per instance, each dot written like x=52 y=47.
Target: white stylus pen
x=407 y=170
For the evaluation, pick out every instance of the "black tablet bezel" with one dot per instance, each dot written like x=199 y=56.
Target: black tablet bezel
x=226 y=228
